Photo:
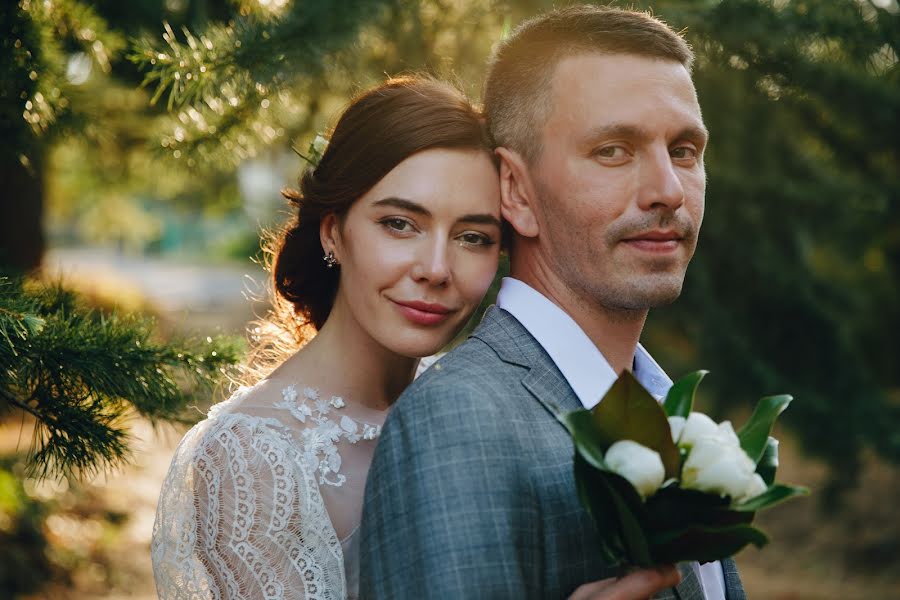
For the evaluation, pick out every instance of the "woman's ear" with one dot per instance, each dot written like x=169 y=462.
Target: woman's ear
x=330 y=235
x=517 y=195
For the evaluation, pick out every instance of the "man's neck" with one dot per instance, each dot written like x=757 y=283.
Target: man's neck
x=615 y=333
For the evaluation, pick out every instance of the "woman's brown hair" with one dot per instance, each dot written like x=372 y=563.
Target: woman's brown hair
x=381 y=128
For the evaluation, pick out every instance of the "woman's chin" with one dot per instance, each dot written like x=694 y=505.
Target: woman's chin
x=425 y=345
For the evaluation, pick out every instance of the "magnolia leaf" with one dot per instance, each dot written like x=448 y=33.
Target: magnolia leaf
x=582 y=431
x=671 y=507
x=768 y=463
x=629 y=412
x=617 y=510
x=755 y=433
x=704 y=544
x=595 y=498
x=774 y=495
x=680 y=399
x=628 y=511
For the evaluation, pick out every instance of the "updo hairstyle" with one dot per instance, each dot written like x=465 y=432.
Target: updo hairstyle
x=380 y=129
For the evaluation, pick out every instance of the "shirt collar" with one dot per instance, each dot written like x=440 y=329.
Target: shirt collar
x=575 y=355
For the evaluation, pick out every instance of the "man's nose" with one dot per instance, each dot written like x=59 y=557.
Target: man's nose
x=661 y=187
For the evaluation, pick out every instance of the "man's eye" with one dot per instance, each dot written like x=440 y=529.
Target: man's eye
x=397 y=224
x=684 y=152
x=611 y=152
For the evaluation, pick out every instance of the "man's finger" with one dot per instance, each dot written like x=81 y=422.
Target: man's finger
x=640 y=584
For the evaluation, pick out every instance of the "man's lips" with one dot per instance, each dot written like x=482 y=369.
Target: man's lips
x=424 y=313
x=655 y=241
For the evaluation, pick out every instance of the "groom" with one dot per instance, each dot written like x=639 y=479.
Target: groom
x=471 y=491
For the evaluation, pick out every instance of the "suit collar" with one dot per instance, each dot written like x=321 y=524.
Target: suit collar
x=514 y=345
x=576 y=356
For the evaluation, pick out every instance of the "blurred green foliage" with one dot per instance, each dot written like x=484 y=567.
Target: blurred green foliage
x=794 y=287
x=24 y=563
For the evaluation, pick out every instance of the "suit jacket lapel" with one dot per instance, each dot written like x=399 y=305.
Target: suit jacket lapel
x=512 y=342
x=689 y=588
x=734 y=590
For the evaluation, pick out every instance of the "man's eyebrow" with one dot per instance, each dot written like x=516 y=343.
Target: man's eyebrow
x=697 y=134
x=617 y=130
x=413 y=207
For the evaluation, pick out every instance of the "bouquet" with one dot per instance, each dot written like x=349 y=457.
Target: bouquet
x=664 y=484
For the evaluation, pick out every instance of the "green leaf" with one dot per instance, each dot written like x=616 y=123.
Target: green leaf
x=774 y=495
x=636 y=545
x=581 y=428
x=595 y=498
x=680 y=399
x=617 y=511
x=704 y=544
x=629 y=412
x=672 y=507
x=754 y=434
x=768 y=463
x=629 y=514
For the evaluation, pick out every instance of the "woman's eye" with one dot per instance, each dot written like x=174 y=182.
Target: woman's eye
x=397 y=224
x=475 y=239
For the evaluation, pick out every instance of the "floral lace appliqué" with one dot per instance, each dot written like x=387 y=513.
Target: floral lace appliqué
x=320 y=437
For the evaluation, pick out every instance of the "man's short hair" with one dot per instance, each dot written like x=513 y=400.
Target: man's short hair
x=517 y=92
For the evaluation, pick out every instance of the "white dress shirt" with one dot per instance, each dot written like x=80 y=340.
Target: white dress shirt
x=588 y=372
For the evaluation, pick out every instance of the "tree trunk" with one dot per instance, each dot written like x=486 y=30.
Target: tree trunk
x=21 y=213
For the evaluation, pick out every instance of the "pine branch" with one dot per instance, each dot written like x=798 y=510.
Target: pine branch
x=232 y=83
x=81 y=372
x=35 y=60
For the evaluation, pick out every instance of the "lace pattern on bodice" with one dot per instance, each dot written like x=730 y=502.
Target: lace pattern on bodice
x=241 y=514
x=319 y=450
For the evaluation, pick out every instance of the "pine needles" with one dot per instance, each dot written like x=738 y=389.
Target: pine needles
x=80 y=373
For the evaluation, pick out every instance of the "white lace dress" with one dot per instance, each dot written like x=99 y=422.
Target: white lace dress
x=264 y=497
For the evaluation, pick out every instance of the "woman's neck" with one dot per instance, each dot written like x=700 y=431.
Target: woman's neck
x=344 y=359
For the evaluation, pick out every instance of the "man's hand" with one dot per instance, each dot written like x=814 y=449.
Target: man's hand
x=637 y=585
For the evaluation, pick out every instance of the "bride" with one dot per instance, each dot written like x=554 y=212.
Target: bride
x=395 y=242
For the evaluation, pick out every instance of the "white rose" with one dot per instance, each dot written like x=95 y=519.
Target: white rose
x=696 y=426
x=676 y=425
x=640 y=465
x=716 y=465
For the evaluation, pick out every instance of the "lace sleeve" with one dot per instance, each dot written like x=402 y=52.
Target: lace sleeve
x=240 y=516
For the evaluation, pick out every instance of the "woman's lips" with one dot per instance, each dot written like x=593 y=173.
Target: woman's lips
x=424 y=313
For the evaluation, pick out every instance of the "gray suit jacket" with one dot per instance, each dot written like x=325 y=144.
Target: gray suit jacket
x=471 y=493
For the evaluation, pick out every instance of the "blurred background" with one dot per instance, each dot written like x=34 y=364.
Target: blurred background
x=144 y=145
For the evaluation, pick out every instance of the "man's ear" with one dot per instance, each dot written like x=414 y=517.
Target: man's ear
x=330 y=235
x=517 y=194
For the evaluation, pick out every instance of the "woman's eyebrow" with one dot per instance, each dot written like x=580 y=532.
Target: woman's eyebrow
x=415 y=207
x=480 y=219
x=404 y=204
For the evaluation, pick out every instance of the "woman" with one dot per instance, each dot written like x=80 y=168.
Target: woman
x=396 y=241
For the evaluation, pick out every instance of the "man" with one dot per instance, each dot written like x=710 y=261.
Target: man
x=471 y=492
